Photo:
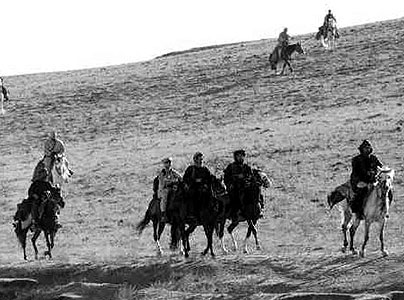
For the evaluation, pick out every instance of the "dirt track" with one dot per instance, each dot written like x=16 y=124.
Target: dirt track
x=118 y=122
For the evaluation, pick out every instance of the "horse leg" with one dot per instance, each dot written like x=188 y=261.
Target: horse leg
x=283 y=68
x=188 y=232
x=208 y=228
x=48 y=244
x=255 y=233
x=287 y=63
x=220 y=234
x=352 y=231
x=175 y=237
x=249 y=230
x=22 y=237
x=381 y=237
x=33 y=239
x=156 y=237
x=365 y=238
x=185 y=241
x=230 y=231
x=346 y=217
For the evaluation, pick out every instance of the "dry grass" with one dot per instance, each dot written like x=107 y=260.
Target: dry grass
x=118 y=122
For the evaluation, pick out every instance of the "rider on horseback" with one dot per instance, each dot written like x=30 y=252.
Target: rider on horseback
x=329 y=21
x=236 y=177
x=53 y=147
x=166 y=178
x=198 y=184
x=365 y=167
x=283 y=42
x=38 y=189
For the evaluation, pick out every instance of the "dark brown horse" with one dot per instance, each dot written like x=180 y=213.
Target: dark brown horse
x=52 y=201
x=250 y=212
x=207 y=215
x=176 y=214
x=285 y=58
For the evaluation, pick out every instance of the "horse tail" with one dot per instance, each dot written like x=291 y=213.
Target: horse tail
x=142 y=224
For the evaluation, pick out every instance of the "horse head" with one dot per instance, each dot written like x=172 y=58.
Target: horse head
x=260 y=179
x=299 y=48
x=218 y=186
x=385 y=185
x=61 y=167
x=176 y=191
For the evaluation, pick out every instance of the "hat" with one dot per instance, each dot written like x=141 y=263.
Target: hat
x=364 y=144
x=239 y=152
x=197 y=155
x=167 y=160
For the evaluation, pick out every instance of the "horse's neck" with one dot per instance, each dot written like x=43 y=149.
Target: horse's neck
x=290 y=49
x=374 y=198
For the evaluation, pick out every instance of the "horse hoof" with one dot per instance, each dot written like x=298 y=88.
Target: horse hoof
x=385 y=253
x=354 y=252
x=259 y=248
x=362 y=254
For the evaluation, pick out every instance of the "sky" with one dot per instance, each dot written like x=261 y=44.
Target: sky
x=57 y=35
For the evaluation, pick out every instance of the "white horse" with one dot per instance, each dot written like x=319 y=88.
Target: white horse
x=60 y=171
x=328 y=39
x=376 y=208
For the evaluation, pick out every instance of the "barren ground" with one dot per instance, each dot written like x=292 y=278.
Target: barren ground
x=302 y=129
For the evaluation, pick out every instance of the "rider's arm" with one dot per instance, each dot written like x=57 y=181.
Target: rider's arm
x=357 y=173
x=187 y=176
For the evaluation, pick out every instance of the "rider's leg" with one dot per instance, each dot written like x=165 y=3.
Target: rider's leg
x=357 y=205
x=163 y=203
x=235 y=203
x=35 y=212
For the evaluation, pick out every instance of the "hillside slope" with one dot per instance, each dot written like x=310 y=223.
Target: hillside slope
x=302 y=129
